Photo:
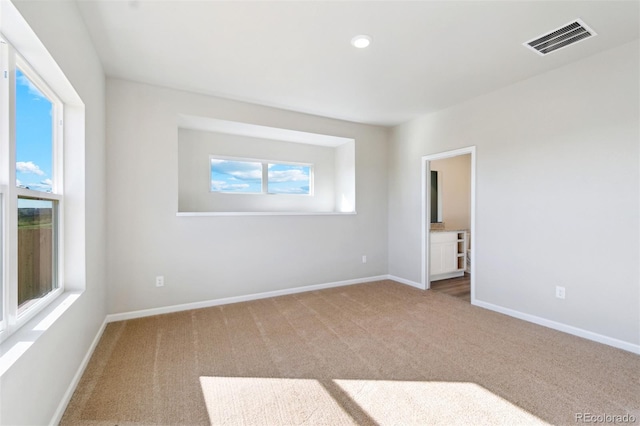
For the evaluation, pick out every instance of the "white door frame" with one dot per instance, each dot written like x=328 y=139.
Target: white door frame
x=426 y=213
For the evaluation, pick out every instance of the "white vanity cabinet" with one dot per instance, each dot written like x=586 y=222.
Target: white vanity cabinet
x=447 y=255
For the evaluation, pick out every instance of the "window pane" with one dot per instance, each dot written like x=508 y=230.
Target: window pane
x=37 y=226
x=34 y=136
x=236 y=176
x=289 y=179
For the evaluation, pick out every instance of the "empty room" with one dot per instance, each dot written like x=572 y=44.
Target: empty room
x=319 y=212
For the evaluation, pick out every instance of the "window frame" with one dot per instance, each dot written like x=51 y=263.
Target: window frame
x=14 y=316
x=265 y=175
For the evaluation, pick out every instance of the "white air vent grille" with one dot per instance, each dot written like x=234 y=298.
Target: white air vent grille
x=562 y=37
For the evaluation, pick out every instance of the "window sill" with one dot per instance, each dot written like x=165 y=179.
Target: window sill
x=206 y=214
x=17 y=344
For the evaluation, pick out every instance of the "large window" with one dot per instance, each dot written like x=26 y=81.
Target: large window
x=241 y=176
x=31 y=190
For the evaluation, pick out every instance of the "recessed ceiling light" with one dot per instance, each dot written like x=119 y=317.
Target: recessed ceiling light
x=361 y=41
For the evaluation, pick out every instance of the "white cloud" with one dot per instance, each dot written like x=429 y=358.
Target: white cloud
x=299 y=190
x=217 y=185
x=36 y=186
x=242 y=170
x=248 y=175
x=220 y=185
x=23 y=80
x=47 y=182
x=18 y=183
x=291 y=175
x=29 y=167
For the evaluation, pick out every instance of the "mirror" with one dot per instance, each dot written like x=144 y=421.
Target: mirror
x=436 y=197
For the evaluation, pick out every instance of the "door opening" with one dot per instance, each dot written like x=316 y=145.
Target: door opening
x=448 y=240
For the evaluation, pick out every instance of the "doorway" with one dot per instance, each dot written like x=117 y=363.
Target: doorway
x=427 y=213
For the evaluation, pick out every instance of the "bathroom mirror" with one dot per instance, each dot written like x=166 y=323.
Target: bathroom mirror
x=436 y=197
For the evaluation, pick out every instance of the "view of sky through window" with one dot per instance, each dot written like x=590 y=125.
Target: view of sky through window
x=236 y=176
x=34 y=136
x=289 y=179
x=245 y=176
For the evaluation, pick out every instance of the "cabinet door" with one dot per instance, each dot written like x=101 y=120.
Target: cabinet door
x=435 y=259
x=444 y=252
x=449 y=255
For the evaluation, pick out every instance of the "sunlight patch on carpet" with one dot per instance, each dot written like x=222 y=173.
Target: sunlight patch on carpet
x=270 y=401
x=283 y=401
x=413 y=403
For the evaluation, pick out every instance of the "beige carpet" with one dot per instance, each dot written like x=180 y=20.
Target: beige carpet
x=379 y=353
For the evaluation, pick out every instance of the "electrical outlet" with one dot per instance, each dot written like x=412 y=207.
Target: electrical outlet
x=159 y=281
x=560 y=292
x=364 y=259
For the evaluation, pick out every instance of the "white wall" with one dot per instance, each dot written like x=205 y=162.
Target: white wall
x=455 y=175
x=557 y=192
x=345 y=177
x=204 y=258
x=32 y=389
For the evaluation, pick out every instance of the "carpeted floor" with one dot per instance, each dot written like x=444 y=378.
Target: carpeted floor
x=378 y=353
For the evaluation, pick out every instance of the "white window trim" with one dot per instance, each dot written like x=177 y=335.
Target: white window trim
x=265 y=175
x=14 y=317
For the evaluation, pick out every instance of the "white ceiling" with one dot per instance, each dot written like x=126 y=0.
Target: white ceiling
x=425 y=55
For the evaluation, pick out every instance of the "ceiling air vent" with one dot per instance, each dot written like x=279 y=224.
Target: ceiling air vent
x=562 y=37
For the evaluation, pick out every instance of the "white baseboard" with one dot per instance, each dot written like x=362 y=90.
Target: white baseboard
x=407 y=282
x=616 y=343
x=76 y=378
x=631 y=347
x=235 y=299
